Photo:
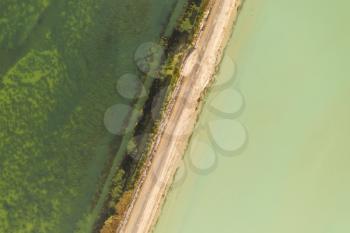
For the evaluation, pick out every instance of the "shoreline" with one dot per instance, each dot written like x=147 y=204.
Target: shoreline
x=180 y=116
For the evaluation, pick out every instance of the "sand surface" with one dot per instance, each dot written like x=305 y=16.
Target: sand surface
x=180 y=117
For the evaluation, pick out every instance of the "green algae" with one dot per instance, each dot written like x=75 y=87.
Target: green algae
x=59 y=65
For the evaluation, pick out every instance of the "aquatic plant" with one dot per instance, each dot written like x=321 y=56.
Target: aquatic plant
x=18 y=18
x=30 y=91
x=60 y=61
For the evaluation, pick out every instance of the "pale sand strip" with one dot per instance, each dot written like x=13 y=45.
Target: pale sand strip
x=180 y=117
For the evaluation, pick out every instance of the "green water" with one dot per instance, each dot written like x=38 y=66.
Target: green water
x=286 y=163
x=60 y=62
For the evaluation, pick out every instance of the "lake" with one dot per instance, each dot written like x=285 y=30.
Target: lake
x=270 y=152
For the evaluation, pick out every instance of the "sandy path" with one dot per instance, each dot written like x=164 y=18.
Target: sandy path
x=180 y=117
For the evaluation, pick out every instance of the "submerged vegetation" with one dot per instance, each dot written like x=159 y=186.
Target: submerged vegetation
x=17 y=20
x=59 y=63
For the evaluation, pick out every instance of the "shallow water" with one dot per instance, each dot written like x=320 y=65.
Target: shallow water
x=60 y=62
x=271 y=153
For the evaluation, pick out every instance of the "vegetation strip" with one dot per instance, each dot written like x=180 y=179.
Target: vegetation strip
x=226 y=16
x=128 y=176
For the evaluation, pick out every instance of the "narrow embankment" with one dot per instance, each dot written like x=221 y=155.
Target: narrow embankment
x=180 y=116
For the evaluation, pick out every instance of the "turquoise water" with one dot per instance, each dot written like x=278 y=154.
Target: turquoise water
x=271 y=151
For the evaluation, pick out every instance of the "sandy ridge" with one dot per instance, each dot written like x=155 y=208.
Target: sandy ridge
x=180 y=117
